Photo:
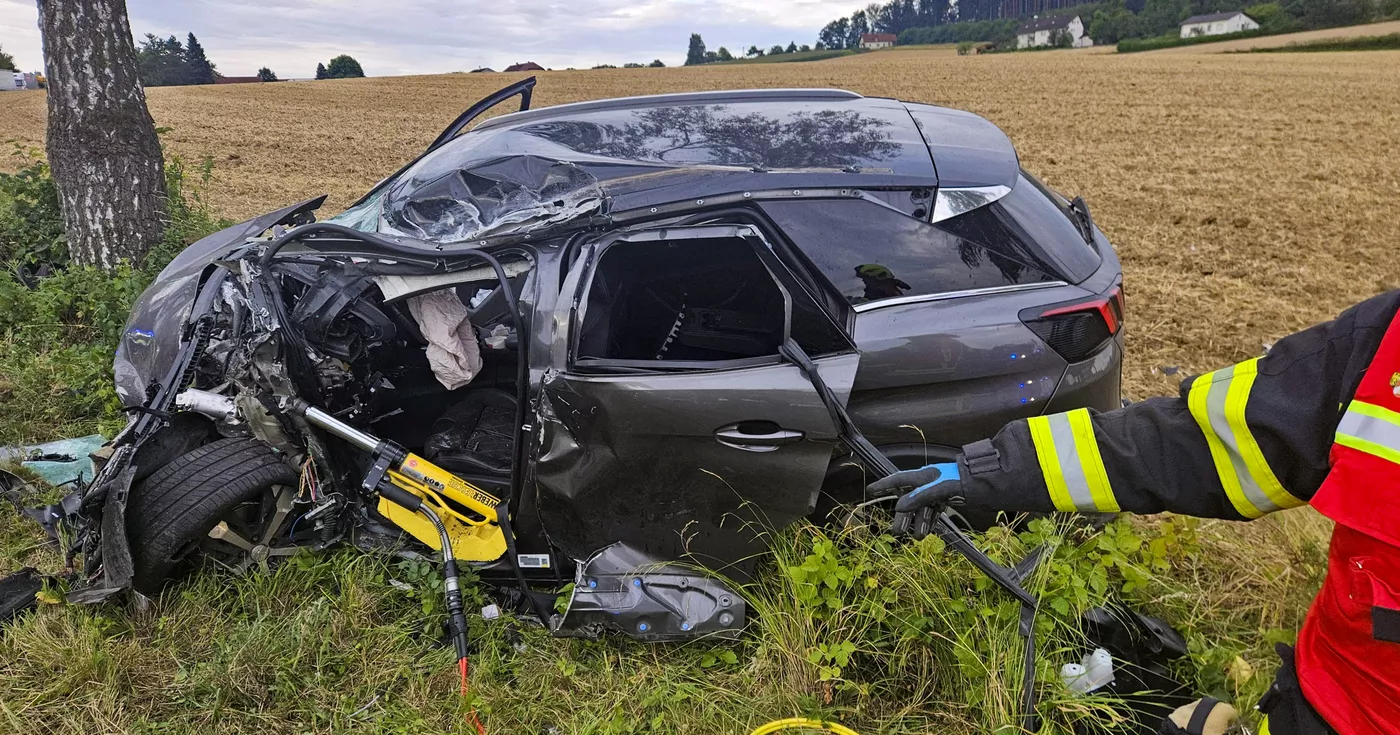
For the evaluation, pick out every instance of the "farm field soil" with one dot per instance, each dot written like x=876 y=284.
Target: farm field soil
x=1245 y=44
x=1248 y=196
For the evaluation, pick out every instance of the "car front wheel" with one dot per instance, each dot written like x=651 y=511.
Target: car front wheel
x=227 y=501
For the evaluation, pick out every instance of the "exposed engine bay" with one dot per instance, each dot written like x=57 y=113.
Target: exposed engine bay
x=301 y=340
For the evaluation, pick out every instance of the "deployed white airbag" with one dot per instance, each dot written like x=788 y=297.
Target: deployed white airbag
x=453 y=352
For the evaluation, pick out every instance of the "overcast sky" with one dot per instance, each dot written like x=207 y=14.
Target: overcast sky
x=433 y=36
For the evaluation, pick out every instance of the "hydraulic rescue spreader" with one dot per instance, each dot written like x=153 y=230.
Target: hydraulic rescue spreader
x=414 y=494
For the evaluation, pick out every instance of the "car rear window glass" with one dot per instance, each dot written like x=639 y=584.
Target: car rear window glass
x=1037 y=217
x=871 y=252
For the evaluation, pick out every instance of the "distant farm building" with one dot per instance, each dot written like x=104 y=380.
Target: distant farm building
x=877 y=40
x=527 y=66
x=484 y=70
x=221 y=79
x=1217 y=24
x=1038 y=32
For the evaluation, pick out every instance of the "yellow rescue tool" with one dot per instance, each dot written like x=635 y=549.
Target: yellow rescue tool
x=476 y=535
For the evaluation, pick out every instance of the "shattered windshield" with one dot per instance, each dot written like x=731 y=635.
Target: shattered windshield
x=445 y=199
x=513 y=178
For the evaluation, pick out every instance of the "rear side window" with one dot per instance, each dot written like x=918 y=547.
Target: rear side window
x=1034 y=217
x=871 y=253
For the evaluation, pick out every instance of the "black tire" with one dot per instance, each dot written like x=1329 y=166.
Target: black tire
x=174 y=509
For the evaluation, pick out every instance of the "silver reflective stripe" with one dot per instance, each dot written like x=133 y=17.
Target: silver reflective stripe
x=1220 y=424
x=1365 y=422
x=1071 y=469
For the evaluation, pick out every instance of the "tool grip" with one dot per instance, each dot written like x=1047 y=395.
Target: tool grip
x=399 y=496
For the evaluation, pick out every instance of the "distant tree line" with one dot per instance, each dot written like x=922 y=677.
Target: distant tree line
x=165 y=62
x=697 y=54
x=957 y=21
x=7 y=61
x=1123 y=19
x=655 y=64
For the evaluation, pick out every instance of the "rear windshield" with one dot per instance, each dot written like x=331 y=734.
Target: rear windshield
x=870 y=252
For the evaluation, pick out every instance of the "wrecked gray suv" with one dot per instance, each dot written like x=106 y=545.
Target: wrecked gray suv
x=620 y=318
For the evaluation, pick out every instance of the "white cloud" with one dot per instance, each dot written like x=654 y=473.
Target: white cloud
x=431 y=36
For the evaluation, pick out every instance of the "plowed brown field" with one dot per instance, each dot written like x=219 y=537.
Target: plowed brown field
x=1248 y=195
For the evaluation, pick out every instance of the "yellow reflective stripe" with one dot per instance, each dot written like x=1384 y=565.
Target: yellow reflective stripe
x=1050 y=464
x=1264 y=726
x=1071 y=464
x=1369 y=447
x=1196 y=402
x=1264 y=477
x=1095 y=474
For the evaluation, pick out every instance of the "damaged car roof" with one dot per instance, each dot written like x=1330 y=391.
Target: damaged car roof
x=538 y=167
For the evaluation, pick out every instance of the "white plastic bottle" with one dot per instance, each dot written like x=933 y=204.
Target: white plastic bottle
x=1092 y=674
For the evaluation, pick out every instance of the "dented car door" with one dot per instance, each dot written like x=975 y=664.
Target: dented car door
x=690 y=442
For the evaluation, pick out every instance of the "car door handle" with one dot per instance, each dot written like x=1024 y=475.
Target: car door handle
x=757 y=436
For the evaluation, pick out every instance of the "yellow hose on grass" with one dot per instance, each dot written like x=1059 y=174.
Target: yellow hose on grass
x=803 y=723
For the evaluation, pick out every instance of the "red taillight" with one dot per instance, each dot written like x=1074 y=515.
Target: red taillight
x=1078 y=330
x=1109 y=307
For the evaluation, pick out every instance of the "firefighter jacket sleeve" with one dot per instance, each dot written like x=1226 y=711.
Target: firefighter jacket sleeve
x=1236 y=443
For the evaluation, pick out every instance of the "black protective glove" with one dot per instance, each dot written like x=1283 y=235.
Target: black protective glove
x=934 y=486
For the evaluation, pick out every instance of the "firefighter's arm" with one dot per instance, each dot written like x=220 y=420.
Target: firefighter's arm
x=1236 y=443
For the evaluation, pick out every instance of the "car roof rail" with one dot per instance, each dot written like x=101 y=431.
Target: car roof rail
x=666 y=100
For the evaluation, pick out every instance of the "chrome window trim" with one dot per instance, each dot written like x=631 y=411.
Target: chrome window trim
x=953 y=201
x=902 y=300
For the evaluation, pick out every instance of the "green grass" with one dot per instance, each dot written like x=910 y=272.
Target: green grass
x=1387 y=42
x=1134 y=45
x=884 y=637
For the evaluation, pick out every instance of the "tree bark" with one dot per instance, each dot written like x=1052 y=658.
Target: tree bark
x=102 y=145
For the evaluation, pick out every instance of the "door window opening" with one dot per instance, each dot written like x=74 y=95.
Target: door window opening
x=691 y=300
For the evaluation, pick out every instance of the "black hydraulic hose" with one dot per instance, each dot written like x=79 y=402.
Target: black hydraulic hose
x=456 y=614
x=512 y=303
x=503 y=519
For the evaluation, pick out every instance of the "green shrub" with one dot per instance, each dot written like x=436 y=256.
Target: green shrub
x=31 y=223
x=60 y=325
x=1273 y=18
x=1134 y=45
x=858 y=614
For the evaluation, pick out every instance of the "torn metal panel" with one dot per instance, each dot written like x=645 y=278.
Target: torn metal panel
x=623 y=590
x=17 y=593
x=648 y=459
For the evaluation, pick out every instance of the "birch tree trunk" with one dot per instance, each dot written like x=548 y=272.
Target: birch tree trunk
x=102 y=145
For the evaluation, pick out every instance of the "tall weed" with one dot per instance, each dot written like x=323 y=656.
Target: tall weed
x=60 y=324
